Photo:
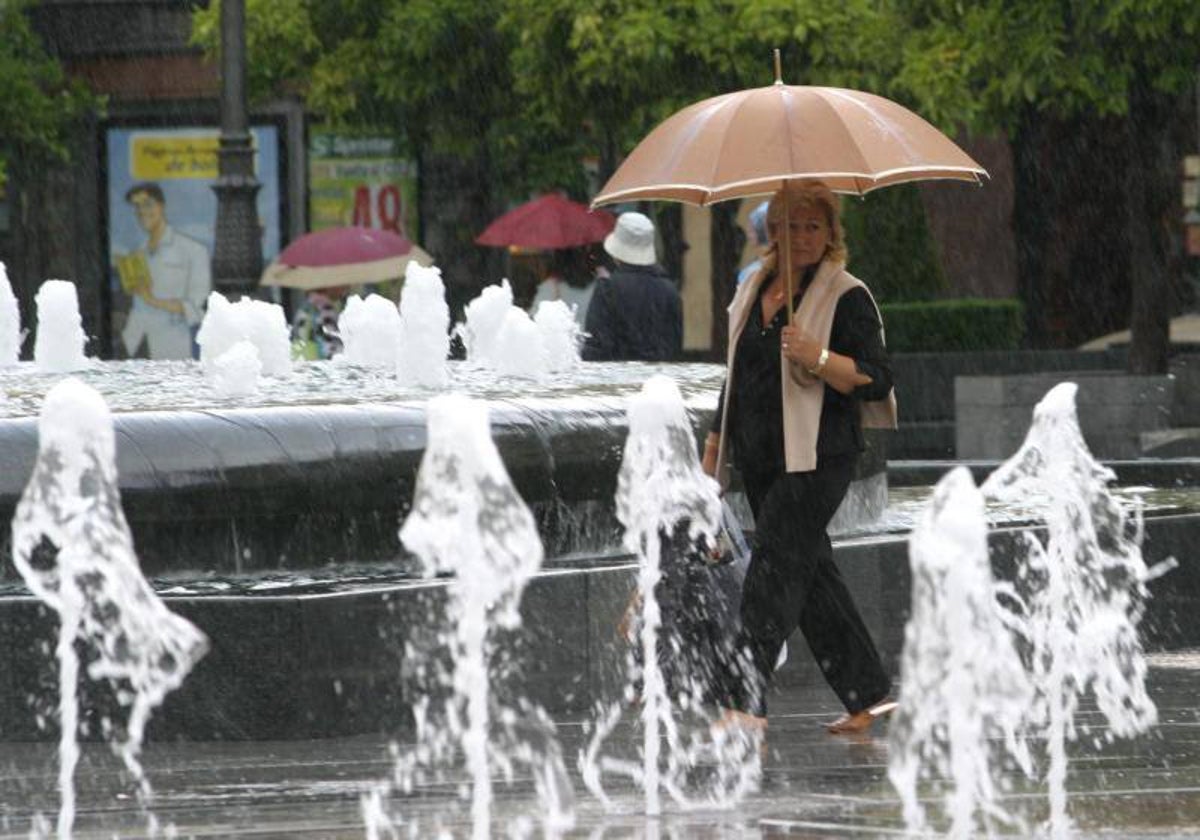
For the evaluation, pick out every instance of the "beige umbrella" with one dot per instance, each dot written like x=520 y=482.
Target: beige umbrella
x=343 y=256
x=752 y=142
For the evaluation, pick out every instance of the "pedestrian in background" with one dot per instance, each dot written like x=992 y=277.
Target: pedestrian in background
x=636 y=313
x=569 y=280
x=758 y=235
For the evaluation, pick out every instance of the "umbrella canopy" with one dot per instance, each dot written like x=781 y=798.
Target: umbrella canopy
x=342 y=256
x=549 y=222
x=752 y=141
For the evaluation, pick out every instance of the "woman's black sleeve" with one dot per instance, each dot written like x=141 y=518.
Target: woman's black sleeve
x=857 y=333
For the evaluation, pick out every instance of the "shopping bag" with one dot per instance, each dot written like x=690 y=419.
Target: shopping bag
x=728 y=546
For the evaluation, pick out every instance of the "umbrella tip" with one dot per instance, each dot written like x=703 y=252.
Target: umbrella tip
x=778 y=69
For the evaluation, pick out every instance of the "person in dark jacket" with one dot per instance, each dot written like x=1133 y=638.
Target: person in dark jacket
x=635 y=313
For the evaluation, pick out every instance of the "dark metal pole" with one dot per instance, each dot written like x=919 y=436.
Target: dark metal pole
x=237 y=250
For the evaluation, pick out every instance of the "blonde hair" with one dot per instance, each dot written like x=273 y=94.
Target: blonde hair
x=807 y=195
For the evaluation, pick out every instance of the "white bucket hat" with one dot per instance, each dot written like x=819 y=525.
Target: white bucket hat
x=632 y=240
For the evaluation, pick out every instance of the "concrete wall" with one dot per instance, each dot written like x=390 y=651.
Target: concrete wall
x=925 y=390
x=302 y=666
x=992 y=413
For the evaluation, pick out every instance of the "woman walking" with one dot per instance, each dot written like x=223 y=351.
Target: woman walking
x=795 y=400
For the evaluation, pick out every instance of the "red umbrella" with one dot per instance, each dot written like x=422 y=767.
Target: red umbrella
x=342 y=256
x=551 y=221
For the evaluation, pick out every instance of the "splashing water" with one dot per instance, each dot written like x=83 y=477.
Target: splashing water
x=964 y=686
x=261 y=323
x=468 y=520
x=483 y=318
x=1071 y=612
x=664 y=498
x=58 y=347
x=1088 y=588
x=236 y=372
x=561 y=335
x=370 y=330
x=519 y=350
x=11 y=336
x=424 y=329
x=73 y=548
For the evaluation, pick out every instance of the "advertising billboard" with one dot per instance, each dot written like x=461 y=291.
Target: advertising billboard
x=162 y=215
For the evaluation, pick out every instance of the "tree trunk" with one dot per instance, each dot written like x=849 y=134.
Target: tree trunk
x=1157 y=133
x=1030 y=226
x=1073 y=259
x=457 y=202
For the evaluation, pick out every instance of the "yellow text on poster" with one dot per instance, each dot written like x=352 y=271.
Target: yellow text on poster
x=160 y=158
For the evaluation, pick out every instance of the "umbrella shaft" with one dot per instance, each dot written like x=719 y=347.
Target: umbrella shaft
x=787 y=249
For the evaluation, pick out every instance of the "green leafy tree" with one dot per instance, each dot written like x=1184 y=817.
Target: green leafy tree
x=499 y=99
x=38 y=105
x=1098 y=100
x=618 y=68
x=891 y=246
x=435 y=74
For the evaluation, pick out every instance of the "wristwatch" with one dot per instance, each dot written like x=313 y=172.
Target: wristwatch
x=822 y=360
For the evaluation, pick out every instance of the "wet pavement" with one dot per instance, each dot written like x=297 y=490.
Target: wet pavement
x=814 y=785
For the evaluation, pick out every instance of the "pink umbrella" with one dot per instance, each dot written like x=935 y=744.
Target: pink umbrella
x=549 y=222
x=343 y=256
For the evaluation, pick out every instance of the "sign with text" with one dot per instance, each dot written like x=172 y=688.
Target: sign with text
x=156 y=158
x=162 y=215
x=360 y=181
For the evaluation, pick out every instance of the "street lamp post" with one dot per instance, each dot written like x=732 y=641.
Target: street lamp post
x=237 y=249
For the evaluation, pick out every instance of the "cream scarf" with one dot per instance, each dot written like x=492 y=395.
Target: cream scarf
x=803 y=393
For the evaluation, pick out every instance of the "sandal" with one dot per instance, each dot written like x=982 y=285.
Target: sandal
x=853 y=723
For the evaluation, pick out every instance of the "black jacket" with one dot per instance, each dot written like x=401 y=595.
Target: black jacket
x=635 y=315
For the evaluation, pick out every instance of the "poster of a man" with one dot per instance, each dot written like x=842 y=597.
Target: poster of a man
x=169 y=279
x=162 y=214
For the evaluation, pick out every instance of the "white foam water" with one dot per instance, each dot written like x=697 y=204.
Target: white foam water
x=964 y=688
x=11 y=335
x=72 y=546
x=236 y=372
x=661 y=492
x=483 y=318
x=467 y=520
x=561 y=335
x=370 y=330
x=58 y=347
x=424 y=343
x=1071 y=610
x=1086 y=589
x=261 y=323
x=519 y=350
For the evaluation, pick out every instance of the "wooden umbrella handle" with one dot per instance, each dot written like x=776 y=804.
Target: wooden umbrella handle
x=787 y=249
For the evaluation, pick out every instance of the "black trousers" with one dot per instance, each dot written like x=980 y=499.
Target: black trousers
x=793 y=582
x=695 y=640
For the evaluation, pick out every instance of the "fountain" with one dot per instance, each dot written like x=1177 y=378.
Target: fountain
x=270 y=520
x=370 y=331
x=1070 y=612
x=468 y=521
x=258 y=322
x=11 y=334
x=424 y=329
x=74 y=551
x=58 y=347
x=965 y=688
x=664 y=499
